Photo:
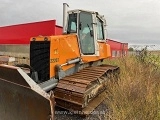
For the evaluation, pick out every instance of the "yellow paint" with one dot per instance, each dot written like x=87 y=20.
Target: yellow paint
x=104 y=52
x=66 y=47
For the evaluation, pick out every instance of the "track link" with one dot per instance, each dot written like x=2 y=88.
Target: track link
x=80 y=91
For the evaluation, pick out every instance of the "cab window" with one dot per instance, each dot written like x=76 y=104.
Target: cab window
x=72 y=23
x=100 y=32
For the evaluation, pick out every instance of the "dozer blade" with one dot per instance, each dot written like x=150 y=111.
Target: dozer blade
x=21 y=98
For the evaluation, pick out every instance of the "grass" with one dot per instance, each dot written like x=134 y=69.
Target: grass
x=136 y=95
x=153 y=58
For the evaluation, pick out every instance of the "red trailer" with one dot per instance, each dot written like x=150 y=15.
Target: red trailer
x=118 y=49
x=15 y=39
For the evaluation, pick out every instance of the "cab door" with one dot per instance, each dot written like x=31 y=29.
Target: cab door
x=86 y=36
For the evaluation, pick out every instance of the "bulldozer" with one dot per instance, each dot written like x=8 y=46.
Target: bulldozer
x=65 y=70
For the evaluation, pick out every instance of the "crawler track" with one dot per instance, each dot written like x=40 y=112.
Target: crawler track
x=83 y=91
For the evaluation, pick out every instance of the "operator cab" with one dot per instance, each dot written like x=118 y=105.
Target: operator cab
x=90 y=29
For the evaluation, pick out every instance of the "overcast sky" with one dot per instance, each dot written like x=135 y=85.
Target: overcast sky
x=132 y=21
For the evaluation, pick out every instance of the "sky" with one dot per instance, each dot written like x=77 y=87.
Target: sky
x=131 y=21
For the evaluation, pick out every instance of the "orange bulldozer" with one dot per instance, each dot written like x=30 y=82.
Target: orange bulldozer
x=65 y=70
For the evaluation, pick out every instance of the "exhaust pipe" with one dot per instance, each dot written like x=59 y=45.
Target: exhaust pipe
x=65 y=14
